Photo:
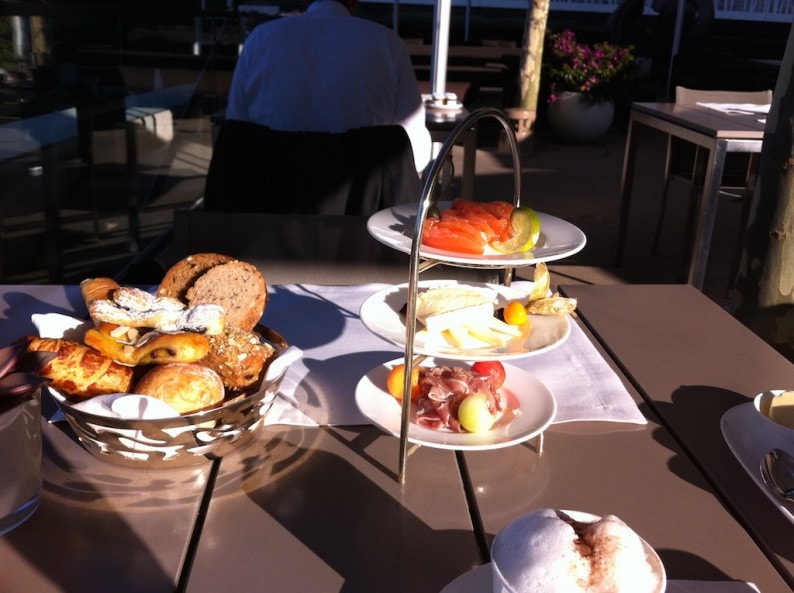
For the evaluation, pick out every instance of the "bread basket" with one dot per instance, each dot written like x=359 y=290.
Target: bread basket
x=183 y=440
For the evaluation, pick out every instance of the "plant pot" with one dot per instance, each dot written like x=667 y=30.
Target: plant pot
x=576 y=120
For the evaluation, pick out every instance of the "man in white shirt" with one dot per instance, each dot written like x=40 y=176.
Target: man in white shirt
x=328 y=71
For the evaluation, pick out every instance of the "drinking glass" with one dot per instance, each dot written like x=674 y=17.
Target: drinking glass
x=20 y=462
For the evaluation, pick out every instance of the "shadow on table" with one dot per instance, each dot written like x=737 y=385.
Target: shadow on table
x=695 y=409
x=695 y=416
x=364 y=532
x=680 y=565
x=87 y=501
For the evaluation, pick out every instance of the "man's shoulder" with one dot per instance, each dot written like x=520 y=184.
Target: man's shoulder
x=266 y=27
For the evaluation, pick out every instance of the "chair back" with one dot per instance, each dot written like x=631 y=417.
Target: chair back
x=301 y=248
x=256 y=169
x=685 y=96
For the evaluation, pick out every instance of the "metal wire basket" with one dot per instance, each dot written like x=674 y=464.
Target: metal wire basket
x=179 y=441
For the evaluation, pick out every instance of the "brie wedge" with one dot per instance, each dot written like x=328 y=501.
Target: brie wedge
x=463 y=317
x=447 y=307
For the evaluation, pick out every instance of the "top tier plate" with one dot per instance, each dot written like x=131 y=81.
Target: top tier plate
x=558 y=239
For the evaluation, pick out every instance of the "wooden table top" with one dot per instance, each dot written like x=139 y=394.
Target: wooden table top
x=692 y=362
x=321 y=509
x=709 y=122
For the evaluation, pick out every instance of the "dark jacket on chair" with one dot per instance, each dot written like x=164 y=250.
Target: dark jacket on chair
x=256 y=169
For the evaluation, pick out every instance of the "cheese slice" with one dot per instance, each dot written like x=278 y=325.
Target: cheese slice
x=450 y=298
x=447 y=307
x=465 y=316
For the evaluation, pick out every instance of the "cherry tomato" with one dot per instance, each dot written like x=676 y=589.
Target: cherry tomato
x=515 y=313
x=490 y=368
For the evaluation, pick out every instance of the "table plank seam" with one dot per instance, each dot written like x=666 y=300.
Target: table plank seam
x=198 y=527
x=474 y=514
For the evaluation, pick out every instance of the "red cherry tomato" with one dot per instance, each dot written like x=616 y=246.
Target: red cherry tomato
x=490 y=368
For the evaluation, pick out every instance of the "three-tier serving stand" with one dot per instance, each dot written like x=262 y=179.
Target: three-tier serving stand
x=418 y=263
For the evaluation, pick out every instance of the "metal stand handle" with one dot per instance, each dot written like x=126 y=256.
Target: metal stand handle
x=428 y=196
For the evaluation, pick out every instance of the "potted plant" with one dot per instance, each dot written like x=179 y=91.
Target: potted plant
x=584 y=82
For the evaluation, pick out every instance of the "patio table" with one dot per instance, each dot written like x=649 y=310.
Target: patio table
x=315 y=504
x=693 y=363
x=718 y=133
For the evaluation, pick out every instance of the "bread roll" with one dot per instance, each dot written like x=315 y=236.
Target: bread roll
x=236 y=286
x=80 y=372
x=239 y=357
x=153 y=347
x=181 y=276
x=186 y=387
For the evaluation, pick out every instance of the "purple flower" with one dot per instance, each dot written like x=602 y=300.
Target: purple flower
x=601 y=71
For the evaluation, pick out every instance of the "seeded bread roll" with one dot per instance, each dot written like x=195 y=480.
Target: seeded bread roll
x=236 y=286
x=239 y=357
x=181 y=276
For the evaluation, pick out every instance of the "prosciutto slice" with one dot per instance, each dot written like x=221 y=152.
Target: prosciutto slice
x=443 y=388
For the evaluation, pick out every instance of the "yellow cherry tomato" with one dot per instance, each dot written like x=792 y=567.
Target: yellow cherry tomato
x=394 y=382
x=515 y=313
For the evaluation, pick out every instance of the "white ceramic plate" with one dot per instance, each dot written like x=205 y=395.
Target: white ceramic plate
x=534 y=400
x=558 y=239
x=749 y=438
x=480 y=580
x=380 y=313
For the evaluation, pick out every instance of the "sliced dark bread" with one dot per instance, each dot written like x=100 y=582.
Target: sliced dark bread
x=181 y=276
x=236 y=286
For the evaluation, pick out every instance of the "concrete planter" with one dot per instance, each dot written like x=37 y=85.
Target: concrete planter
x=575 y=120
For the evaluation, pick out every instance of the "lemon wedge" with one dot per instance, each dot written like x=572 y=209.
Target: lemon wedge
x=526 y=224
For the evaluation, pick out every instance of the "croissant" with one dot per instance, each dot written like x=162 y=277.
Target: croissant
x=81 y=372
x=153 y=347
x=94 y=289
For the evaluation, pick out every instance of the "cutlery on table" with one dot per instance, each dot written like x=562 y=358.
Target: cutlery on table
x=777 y=470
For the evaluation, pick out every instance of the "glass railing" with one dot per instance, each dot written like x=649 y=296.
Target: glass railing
x=106 y=116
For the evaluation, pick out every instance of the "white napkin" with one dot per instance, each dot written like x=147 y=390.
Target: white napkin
x=584 y=385
x=710 y=587
x=338 y=350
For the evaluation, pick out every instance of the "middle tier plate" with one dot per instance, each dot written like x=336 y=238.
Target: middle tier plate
x=381 y=314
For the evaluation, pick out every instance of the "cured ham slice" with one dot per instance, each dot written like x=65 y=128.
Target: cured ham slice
x=442 y=389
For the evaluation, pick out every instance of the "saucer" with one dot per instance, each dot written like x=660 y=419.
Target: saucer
x=746 y=435
x=477 y=580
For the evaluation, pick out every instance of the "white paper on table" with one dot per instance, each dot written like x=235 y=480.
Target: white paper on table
x=710 y=587
x=319 y=389
x=738 y=108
